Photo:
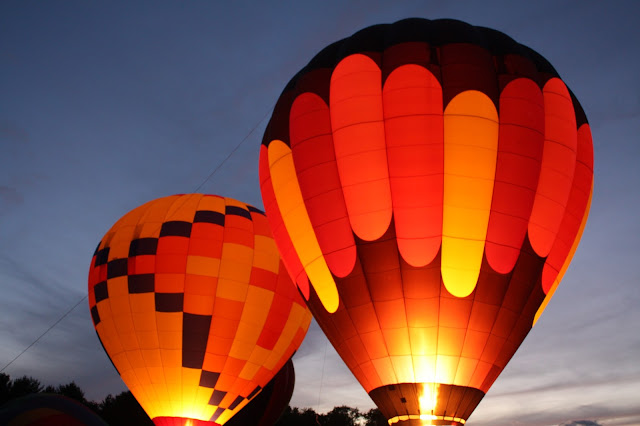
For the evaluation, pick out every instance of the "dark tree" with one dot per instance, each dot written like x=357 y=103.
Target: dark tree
x=340 y=416
x=24 y=386
x=73 y=391
x=299 y=417
x=374 y=417
x=123 y=410
x=5 y=387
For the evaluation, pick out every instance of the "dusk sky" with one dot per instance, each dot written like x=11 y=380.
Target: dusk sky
x=107 y=105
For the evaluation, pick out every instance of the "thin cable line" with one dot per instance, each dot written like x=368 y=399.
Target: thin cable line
x=233 y=151
x=42 y=335
x=215 y=170
x=324 y=360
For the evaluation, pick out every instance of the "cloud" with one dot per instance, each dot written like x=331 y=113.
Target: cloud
x=624 y=419
x=609 y=404
x=610 y=417
x=32 y=304
x=29 y=282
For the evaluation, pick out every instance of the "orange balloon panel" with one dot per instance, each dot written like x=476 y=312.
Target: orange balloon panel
x=193 y=305
x=427 y=183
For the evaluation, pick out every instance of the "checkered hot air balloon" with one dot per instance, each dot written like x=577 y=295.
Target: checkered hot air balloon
x=427 y=183
x=192 y=304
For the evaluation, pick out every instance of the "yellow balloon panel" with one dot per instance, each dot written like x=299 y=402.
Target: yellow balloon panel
x=298 y=225
x=470 y=151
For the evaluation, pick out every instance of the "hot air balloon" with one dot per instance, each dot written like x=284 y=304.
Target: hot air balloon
x=427 y=183
x=267 y=407
x=192 y=304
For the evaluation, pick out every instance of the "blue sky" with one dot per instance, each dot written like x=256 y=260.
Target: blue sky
x=104 y=106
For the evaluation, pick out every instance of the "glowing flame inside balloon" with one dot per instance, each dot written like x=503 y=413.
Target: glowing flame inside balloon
x=428 y=401
x=426 y=418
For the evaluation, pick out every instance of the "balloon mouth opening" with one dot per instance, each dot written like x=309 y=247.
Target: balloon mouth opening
x=181 y=421
x=426 y=403
x=425 y=419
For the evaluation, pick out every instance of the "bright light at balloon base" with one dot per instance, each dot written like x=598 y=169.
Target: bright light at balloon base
x=427 y=419
x=426 y=403
x=428 y=400
x=181 y=421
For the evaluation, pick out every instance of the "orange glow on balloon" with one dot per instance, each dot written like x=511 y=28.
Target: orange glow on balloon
x=192 y=303
x=437 y=176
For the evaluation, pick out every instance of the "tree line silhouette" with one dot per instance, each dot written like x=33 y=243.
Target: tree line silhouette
x=124 y=410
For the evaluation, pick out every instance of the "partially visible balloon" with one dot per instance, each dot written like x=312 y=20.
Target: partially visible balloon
x=266 y=408
x=431 y=181
x=44 y=409
x=192 y=304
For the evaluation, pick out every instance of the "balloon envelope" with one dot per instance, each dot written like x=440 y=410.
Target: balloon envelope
x=266 y=408
x=427 y=183
x=192 y=304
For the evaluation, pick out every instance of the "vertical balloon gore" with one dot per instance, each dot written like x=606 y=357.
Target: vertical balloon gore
x=296 y=220
x=470 y=146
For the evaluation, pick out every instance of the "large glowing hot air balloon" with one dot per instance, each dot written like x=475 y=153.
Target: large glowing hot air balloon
x=193 y=306
x=430 y=180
